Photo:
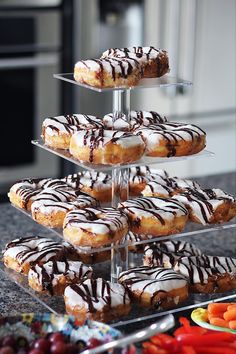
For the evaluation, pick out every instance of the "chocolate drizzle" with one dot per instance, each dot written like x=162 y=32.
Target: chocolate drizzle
x=66 y=199
x=138 y=52
x=165 y=254
x=111 y=218
x=34 y=249
x=167 y=186
x=88 y=179
x=152 y=280
x=99 y=138
x=199 y=268
x=155 y=206
x=29 y=189
x=202 y=202
x=49 y=274
x=137 y=119
x=171 y=133
x=97 y=294
x=117 y=67
x=71 y=123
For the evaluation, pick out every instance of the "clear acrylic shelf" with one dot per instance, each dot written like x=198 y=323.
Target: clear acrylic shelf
x=164 y=81
x=55 y=304
x=145 y=160
x=191 y=230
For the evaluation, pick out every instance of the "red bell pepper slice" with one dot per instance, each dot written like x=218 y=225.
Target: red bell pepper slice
x=210 y=339
x=216 y=350
x=188 y=350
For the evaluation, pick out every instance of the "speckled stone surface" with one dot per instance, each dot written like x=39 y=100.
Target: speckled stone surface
x=14 y=224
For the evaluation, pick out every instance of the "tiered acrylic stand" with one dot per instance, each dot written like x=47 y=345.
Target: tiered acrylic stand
x=121 y=256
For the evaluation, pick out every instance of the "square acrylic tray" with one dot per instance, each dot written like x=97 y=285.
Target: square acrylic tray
x=220 y=243
x=145 y=160
x=164 y=81
x=191 y=230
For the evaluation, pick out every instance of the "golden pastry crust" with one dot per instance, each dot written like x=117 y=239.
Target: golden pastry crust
x=18 y=201
x=217 y=284
x=106 y=147
x=93 y=257
x=155 y=216
x=61 y=141
x=95 y=227
x=157 y=67
x=105 y=316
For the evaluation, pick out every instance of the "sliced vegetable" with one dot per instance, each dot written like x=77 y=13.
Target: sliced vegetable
x=206 y=340
x=220 y=322
x=230 y=315
x=216 y=308
x=232 y=325
x=219 y=315
x=216 y=350
x=189 y=339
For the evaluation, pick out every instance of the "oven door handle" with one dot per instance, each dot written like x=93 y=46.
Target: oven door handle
x=29 y=62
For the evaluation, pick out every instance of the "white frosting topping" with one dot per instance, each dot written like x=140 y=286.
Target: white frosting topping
x=152 y=280
x=168 y=186
x=31 y=183
x=137 y=118
x=112 y=66
x=89 y=179
x=154 y=207
x=99 y=138
x=142 y=54
x=179 y=247
x=95 y=294
x=180 y=183
x=147 y=171
x=97 y=221
x=203 y=203
x=50 y=200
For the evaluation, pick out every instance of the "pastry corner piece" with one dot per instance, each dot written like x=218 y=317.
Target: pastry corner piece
x=24 y=252
x=96 y=299
x=110 y=72
x=154 y=62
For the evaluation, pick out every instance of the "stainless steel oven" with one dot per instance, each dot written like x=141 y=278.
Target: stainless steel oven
x=30 y=45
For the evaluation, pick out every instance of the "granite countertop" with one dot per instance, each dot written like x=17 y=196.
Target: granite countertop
x=14 y=224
